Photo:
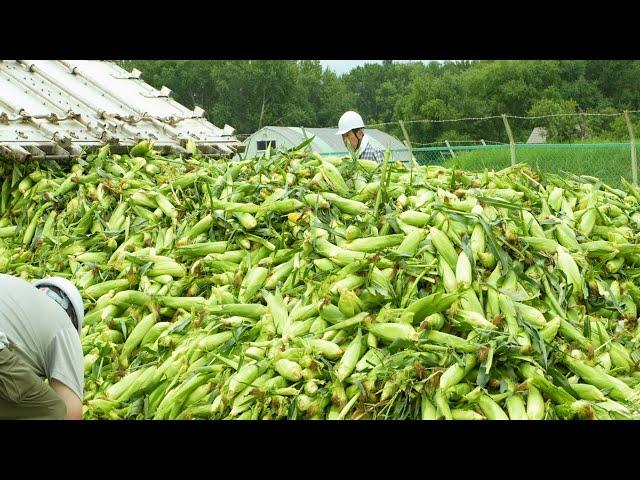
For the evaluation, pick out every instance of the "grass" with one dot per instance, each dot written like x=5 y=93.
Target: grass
x=608 y=163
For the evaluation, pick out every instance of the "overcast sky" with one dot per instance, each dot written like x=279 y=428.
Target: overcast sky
x=343 y=66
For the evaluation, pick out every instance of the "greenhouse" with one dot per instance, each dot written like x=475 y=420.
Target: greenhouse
x=326 y=142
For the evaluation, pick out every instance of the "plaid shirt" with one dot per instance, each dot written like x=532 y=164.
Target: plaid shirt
x=369 y=152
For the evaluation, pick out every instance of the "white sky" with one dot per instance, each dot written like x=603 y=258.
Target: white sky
x=344 y=66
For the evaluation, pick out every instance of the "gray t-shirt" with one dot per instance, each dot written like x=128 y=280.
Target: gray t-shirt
x=42 y=331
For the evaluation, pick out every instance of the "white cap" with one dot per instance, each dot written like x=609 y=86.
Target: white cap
x=70 y=290
x=349 y=121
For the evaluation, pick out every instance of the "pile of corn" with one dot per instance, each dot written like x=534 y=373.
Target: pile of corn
x=295 y=286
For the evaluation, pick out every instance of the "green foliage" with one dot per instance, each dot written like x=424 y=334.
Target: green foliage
x=559 y=128
x=249 y=94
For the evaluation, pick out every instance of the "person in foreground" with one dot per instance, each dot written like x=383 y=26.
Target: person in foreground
x=40 y=326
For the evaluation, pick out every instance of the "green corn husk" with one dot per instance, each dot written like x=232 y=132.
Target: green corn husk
x=535 y=404
x=131 y=297
x=325 y=348
x=434 y=303
x=568 y=265
x=457 y=278
x=449 y=279
x=252 y=283
x=588 y=221
x=352 y=207
x=555 y=393
x=543 y=245
x=491 y=409
x=588 y=392
x=427 y=409
x=333 y=177
x=531 y=314
x=415 y=218
x=443 y=408
x=349 y=359
x=288 y=369
x=456 y=372
x=620 y=357
x=464 y=276
x=464 y=414
x=566 y=237
x=136 y=336
x=117 y=391
x=473 y=319
x=410 y=243
x=100 y=289
x=349 y=283
x=444 y=246
x=390 y=332
x=8 y=232
x=550 y=330
x=532 y=225
x=373 y=244
x=457 y=343
x=617 y=389
x=349 y=303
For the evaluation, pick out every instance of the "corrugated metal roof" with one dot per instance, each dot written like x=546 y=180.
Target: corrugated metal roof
x=57 y=108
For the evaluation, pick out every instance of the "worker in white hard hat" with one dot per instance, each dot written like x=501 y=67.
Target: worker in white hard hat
x=351 y=127
x=40 y=326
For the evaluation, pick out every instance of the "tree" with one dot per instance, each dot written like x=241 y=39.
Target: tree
x=250 y=94
x=617 y=80
x=559 y=128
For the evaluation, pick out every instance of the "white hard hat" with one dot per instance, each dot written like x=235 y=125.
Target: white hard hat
x=70 y=290
x=349 y=121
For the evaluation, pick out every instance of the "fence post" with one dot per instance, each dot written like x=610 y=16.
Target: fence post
x=449 y=147
x=512 y=144
x=634 y=159
x=408 y=143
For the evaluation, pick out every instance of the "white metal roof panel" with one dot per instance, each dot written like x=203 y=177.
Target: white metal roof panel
x=54 y=104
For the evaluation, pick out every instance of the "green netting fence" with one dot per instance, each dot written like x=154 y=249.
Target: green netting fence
x=608 y=161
